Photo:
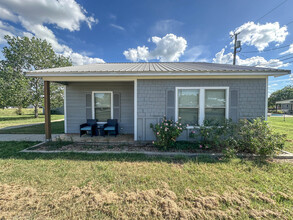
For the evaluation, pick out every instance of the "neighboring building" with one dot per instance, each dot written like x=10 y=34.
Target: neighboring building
x=286 y=106
x=138 y=94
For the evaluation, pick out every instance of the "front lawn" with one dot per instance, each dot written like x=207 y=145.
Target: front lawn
x=283 y=127
x=57 y=127
x=81 y=186
x=8 y=117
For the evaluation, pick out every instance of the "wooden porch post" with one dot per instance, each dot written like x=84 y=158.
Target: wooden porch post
x=47 y=110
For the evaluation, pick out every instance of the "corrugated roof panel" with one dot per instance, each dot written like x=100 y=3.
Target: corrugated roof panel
x=158 y=67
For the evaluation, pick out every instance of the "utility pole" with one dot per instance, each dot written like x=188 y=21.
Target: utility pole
x=235 y=51
x=237 y=44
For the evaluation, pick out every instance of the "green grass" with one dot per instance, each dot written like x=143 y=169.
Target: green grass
x=81 y=186
x=12 y=111
x=56 y=128
x=283 y=127
x=8 y=118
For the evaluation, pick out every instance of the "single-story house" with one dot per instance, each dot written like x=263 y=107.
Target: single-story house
x=138 y=94
x=286 y=106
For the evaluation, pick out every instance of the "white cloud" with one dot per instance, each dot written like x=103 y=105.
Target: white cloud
x=290 y=50
x=79 y=59
x=168 y=48
x=66 y=14
x=7 y=15
x=140 y=53
x=112 y=16
x=261 y=35
x=195 y=53
x=258 y=61
x=166 y=26
x=5 y=29
x=117 y=27
x=34 y=14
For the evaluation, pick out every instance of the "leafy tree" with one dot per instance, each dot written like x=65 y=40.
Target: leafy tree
x=280 y=95
x=12 y=91
x=25 y=54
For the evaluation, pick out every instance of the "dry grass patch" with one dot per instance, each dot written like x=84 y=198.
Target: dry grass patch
x=87 y=203
x=83 y=186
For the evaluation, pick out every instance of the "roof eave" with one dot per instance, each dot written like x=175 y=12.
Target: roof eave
x=137 y=74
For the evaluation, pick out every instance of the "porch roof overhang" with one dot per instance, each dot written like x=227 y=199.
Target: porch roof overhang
x=289 y=101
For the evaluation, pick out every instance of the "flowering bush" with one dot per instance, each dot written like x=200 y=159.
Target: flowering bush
x=166 y=132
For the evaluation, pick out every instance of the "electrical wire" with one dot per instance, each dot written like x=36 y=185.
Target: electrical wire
x=256 y=51
x=271 y=10
x=268 y=13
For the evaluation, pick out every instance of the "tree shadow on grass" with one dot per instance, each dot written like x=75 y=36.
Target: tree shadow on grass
x=17 y=118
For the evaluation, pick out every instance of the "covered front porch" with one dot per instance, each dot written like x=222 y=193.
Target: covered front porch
x=99 y=100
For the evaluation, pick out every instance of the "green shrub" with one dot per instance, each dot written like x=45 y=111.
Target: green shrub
x=253 y=137
x=215 y=135
x=276 y=111
x=256 y=137
x=166 y=132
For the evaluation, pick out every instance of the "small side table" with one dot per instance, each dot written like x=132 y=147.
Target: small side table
x=100 y=128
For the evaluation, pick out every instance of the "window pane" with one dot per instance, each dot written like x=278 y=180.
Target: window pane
x=188 y=116
x=215 y=114
x=102 y=114
x=102 y=106
x=188 y=98
x=103 y=100
x=215 y=98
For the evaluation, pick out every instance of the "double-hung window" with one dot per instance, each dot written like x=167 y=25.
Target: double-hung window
x=196 y=104
x=102 y=108
x=188 y=106
x=215 y=105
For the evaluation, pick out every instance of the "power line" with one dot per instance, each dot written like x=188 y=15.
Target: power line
x=278 y=61
x=264 y=16
x=244 y=55
x=286 y=58
x=256 y=51
x=271 y=10
x=289 y=23
x=289 y=54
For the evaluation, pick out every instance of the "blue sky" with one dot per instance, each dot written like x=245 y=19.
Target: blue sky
x=165 y=30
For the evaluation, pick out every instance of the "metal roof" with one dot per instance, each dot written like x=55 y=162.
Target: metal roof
x=194 y=67
x=289 y=101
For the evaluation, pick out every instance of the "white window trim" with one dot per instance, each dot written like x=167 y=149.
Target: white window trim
x=266 y=97
x=135 y=109
x=201 y=102
x=93 y=103
x=65 y=110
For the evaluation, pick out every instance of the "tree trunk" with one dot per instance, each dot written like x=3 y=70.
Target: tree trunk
x=19 y=110
x=36 y=111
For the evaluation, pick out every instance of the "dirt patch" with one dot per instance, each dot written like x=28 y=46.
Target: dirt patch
x=134 y=147
x=87 y=203
x=282 y=160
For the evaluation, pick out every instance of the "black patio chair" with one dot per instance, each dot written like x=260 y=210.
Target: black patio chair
x=111 y=127
x=89 y=126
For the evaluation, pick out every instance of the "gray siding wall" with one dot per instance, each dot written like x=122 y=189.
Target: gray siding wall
x=287 y=108
x=77 y=107
x=153 y=100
